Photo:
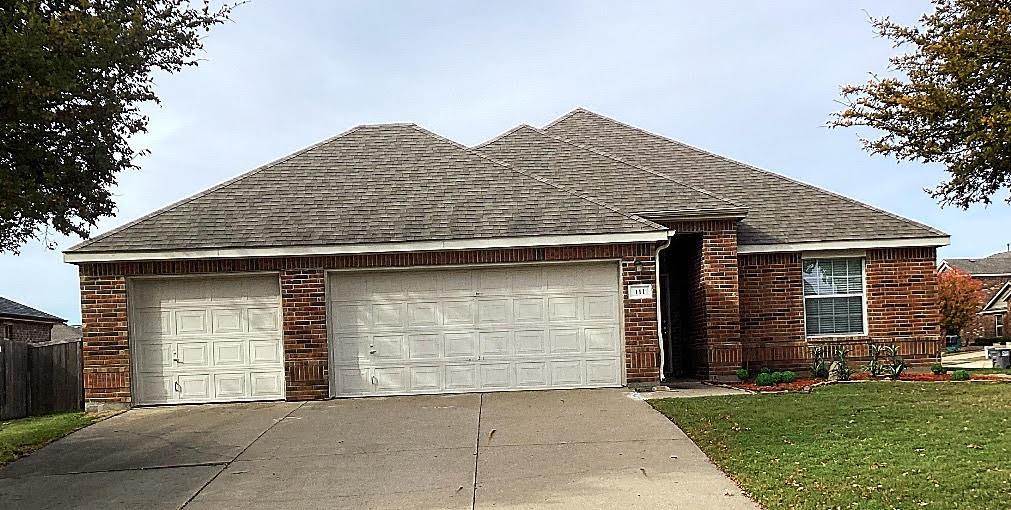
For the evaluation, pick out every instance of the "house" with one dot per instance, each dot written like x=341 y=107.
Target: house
x=589 y=253
x=25 y=324
x=994 y=272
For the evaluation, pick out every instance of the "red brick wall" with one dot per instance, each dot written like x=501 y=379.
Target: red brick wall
x=716 y=302
x=901 y=307
x=105 y=349
x=103 y=293
x=306 y=358
x=28 y=331
x=984 y=325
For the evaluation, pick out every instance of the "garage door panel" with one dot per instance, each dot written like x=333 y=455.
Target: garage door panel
x=461 y=345
x=193 y=354
x=206 y=339
x=531 y=342
x=495 y=343
x=265 y=352
x=229 y=352
x=564 y=341
x=425 y=346
x=476 y=329
x=461 y=377
x=226 y=320
x=231 y=385
x=264 y=319
x=191 y=322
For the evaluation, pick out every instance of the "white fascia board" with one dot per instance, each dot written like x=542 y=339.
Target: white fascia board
x=350 y=249
x=845 y=245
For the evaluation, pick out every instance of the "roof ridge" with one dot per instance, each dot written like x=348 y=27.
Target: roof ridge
x=638 y=167
x=594 y=200
x=218 y=186
x=578 y=109
x=755 y=168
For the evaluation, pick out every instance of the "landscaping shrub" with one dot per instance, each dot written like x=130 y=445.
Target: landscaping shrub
x=938 y=369
x=819 y=365
x=765 y=370
x=765 y=379
x=885 y=361
x=843 y=369
x=742 y=374
x=777 y=377
x=960 y=375
x=789 y=376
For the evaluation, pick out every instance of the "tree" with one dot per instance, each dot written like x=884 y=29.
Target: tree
x=73 y=74
x=950 y=104
x=961 y=297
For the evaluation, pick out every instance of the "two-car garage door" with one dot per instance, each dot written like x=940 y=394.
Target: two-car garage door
x=457 y=330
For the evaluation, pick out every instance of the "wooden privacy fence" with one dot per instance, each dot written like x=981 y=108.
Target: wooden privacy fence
x=39 y=379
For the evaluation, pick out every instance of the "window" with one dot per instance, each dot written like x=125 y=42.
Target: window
x=834 y=296
x=8 y=332
x=999 y=324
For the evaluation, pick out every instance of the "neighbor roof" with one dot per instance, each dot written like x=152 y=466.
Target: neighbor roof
x=631 y=188
x=998 y=263
x=15 y=310
x=780 y=210
x=373 y=184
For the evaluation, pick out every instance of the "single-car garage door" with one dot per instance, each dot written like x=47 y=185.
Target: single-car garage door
x=213 y=339
x=457 y=330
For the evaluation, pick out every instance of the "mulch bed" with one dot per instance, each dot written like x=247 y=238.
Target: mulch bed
x=806 y=384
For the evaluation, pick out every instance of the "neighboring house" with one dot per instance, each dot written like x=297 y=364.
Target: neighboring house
x=995 y=274
x=589 y=253
x=66 y=333
x=24 y=323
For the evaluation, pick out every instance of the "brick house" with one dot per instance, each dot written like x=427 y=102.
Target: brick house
x=25 y=324
x=994 y=272
x=588 y=253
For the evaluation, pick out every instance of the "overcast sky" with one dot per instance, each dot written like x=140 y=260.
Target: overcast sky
x=754 y=81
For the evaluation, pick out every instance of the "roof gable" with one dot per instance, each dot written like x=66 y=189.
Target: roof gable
x=372 y=184
x=999 y=302
x=629 y=187
x=813 y=215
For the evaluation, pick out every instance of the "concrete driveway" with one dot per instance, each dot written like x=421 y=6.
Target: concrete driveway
x=552 y=449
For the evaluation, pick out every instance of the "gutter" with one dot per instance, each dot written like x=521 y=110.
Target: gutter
x=659 y=310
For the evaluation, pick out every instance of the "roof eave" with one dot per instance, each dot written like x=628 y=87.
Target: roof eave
x=849 y=244
x=79 y=257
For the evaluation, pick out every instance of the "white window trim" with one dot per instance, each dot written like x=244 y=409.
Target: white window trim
x=863 y=301
x=998 y=325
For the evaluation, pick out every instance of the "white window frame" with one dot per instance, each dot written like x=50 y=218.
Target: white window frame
x=998 y=325
x=863 y=292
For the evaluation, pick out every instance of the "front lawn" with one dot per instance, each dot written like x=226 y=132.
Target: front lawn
x=866 y=445
x=20 y=437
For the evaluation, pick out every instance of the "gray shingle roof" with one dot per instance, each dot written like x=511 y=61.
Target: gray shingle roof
x=780 y=210
x=998 y=263
x=628 y=187
x=14 y=309
x=372 y=184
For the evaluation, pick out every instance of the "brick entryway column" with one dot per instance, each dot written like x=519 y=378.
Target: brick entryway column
x=105 y=347
x=642 y=344
x=306 y=355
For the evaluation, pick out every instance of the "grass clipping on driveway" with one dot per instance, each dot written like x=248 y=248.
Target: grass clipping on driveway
x=20 y=437
x=868 y=445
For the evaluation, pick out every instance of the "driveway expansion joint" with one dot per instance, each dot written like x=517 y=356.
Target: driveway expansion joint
x=225 y=465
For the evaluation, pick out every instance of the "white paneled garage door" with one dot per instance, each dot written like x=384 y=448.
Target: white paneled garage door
x=213 y=339
x=458 y=330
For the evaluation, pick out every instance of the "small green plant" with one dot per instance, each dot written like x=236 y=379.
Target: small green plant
x=960 y=375
x=819 y=363
x=789 y=376
x=885 y=361
x=777 y=377
x=742 y=374
x=765 y=379
x=844 y=370
x=765 y=370
x=938 y=369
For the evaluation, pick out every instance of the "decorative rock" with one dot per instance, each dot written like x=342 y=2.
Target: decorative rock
x=835 y=371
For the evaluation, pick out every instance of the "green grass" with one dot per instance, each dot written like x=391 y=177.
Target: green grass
x=984 y=370
x=880 y=445
x=20 y=437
